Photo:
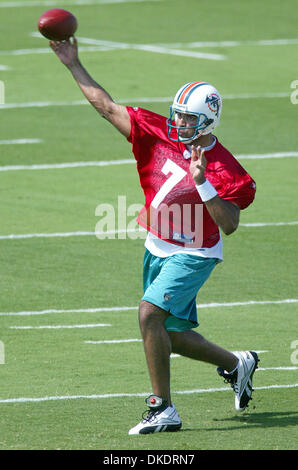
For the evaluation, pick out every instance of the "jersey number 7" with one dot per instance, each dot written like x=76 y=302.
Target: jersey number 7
x=176 y=176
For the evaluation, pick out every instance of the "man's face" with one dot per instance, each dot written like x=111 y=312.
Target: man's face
x=186 y=121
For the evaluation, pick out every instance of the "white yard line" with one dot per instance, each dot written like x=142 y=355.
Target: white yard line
x=158 y=48
x=142 y=99
x=59 y=166
x=277 y=368
x=177 y=52
x=248 y=303
x=24 y=236
x=98 y=45
x=260 y=156
x=126 y=308
x=42 y=104
x=47 y=50
x=208 y=390
x=57 y=3
x=124 y=161
x=68 y=234
x=45 y=235
x=80 y=310
x=196 y=44
x=140 y=47
x=94 y=45
x=268 y=224
x=225 y=44
x=122 y=395
x=20 y=141
x=114 y=341
x=57 y=327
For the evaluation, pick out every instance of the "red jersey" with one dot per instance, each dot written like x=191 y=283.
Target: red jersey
x=173 y=209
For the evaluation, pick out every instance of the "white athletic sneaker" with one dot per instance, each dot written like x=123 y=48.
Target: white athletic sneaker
x=160 y=417
x=241 y=378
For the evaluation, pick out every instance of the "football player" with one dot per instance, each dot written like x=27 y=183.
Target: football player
x=193 y=186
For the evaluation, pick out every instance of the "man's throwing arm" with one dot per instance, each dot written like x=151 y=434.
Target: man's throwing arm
x=67 y=51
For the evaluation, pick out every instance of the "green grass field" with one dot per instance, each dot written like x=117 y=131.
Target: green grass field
x=59 y=388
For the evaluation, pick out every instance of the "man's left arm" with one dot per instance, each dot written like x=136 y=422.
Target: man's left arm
x=224 y=213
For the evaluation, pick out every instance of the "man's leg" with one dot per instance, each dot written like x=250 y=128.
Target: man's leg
x=193 y=345
x=157 y=347
x=162 y=414
x=159 y=343
x=238 y=368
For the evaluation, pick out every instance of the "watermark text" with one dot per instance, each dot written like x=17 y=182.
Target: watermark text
x=294 y=94
x=2 y=92
x=2 y=353
x=178 y=223
x=294 y=355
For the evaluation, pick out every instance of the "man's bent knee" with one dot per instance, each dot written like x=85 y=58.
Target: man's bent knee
x=151 y=316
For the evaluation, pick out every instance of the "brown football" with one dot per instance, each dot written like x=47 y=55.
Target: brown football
x=57 y=24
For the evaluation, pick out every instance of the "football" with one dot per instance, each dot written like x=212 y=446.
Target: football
x=57 y=24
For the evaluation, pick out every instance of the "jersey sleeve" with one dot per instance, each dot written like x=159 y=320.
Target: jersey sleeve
x=232 y=182
x=146 y=123
x=237 y=186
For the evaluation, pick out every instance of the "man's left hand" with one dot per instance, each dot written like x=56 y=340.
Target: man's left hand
x=198 y=165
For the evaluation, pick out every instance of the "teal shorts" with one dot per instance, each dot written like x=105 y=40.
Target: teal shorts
x=172 y=283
